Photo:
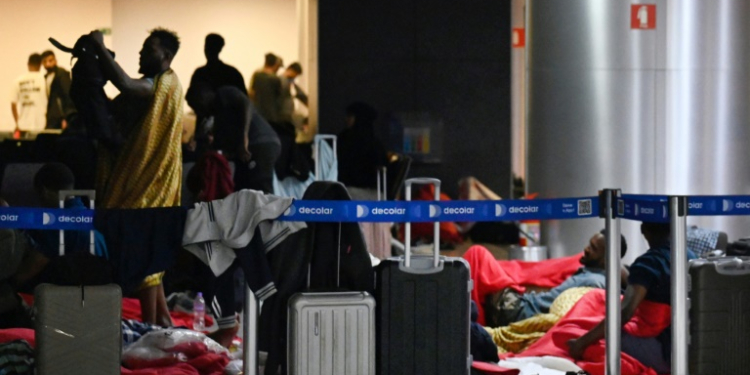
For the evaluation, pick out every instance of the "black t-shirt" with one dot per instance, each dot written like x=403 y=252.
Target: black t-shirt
x=218 y=74
x=653 y=271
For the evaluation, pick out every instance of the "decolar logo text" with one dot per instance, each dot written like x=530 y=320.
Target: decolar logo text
x=75 y=219
x=49 y=219
x=381 y=211
x=458 y=210
x=524 y=209
x=8 y=217
x=696 y=205
x=315 y=211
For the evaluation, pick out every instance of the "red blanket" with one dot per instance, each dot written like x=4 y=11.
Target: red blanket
x=491 y=275
x=131 y=309
x=649 y=320
x=199 y=364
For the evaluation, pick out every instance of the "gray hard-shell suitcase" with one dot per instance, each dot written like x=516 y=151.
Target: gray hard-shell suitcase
x=78 y=328
x=719 y=313
x=423 y=311
x=331 y=333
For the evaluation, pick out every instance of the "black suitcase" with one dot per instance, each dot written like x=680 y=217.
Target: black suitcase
x=423 y=311
x=719 y=316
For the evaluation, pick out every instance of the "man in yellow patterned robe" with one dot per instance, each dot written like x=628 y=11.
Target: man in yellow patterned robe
x=146 y=171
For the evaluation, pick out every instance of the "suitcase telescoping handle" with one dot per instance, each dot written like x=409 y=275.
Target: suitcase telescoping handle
x=436 y=229
x=64 y=195
x=382 y=191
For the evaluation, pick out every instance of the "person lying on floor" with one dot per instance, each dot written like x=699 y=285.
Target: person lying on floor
x=507 y=306
x=649 y=280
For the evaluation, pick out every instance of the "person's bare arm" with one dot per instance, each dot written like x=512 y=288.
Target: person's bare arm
x=14 y=109
x=31 y=265
x=113 y=70
x=634 y=294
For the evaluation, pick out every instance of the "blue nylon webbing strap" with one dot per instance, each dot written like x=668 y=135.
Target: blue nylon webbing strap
x=633 y=207
x=351 y=211
x=431 y=211
x=46 y=218
x=728 y=205
x=648 y=208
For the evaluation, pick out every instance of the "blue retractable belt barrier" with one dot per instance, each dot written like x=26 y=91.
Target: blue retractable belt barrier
x=734 y=205
x=46 y=218
x=651 y=208
x=350 y=211
x=431 y=211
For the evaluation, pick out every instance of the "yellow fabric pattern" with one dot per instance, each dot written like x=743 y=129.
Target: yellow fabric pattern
x=147 y=170
x=518 y=336
x=152 y=280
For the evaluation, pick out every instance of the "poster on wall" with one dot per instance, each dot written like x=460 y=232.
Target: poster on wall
x=418 y=135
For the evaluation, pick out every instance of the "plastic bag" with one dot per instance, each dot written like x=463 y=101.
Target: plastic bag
x=167 y=347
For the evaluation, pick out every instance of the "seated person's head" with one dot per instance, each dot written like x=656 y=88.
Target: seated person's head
x=49 y=180
x=594 y=254
x=655 y=233
x=199 y=97
x=3 y=202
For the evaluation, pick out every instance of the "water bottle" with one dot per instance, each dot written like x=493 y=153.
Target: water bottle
x=199 y=313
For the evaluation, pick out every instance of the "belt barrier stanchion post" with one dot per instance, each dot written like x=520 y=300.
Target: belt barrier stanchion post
x=678 y=223
x=250 y=333
x=608 y=201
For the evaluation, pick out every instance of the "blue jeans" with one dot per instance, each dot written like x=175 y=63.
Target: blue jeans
x=647 y=350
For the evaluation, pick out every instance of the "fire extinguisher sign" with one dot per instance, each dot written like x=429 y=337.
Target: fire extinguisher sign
x=643 y=16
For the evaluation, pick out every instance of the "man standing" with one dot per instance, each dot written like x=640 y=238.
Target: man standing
x=265 y=89
x=59 y=104
x=287 y=97
x=146 y=171
x=29 y=98
x=216 y=73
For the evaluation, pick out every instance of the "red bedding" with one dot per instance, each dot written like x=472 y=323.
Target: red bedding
x=131 y=309
x=199 y=363
x=649 y=320
x=491 y=275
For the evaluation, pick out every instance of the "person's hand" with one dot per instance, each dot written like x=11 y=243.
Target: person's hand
x=64 y=124
x=244 y=155
x=576 y=348
x=97 y=36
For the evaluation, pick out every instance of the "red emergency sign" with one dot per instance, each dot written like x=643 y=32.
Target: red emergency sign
x=519 y=37
x=643 y=16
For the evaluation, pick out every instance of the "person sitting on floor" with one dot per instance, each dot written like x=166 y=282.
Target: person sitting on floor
x=649 y=280
x=16 y=258
x=48 y=182
x=507 y=306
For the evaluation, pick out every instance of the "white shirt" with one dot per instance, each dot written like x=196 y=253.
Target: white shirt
x=30 y=95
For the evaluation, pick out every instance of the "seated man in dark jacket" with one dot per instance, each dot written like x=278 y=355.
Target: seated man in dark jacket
x=649 y=280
